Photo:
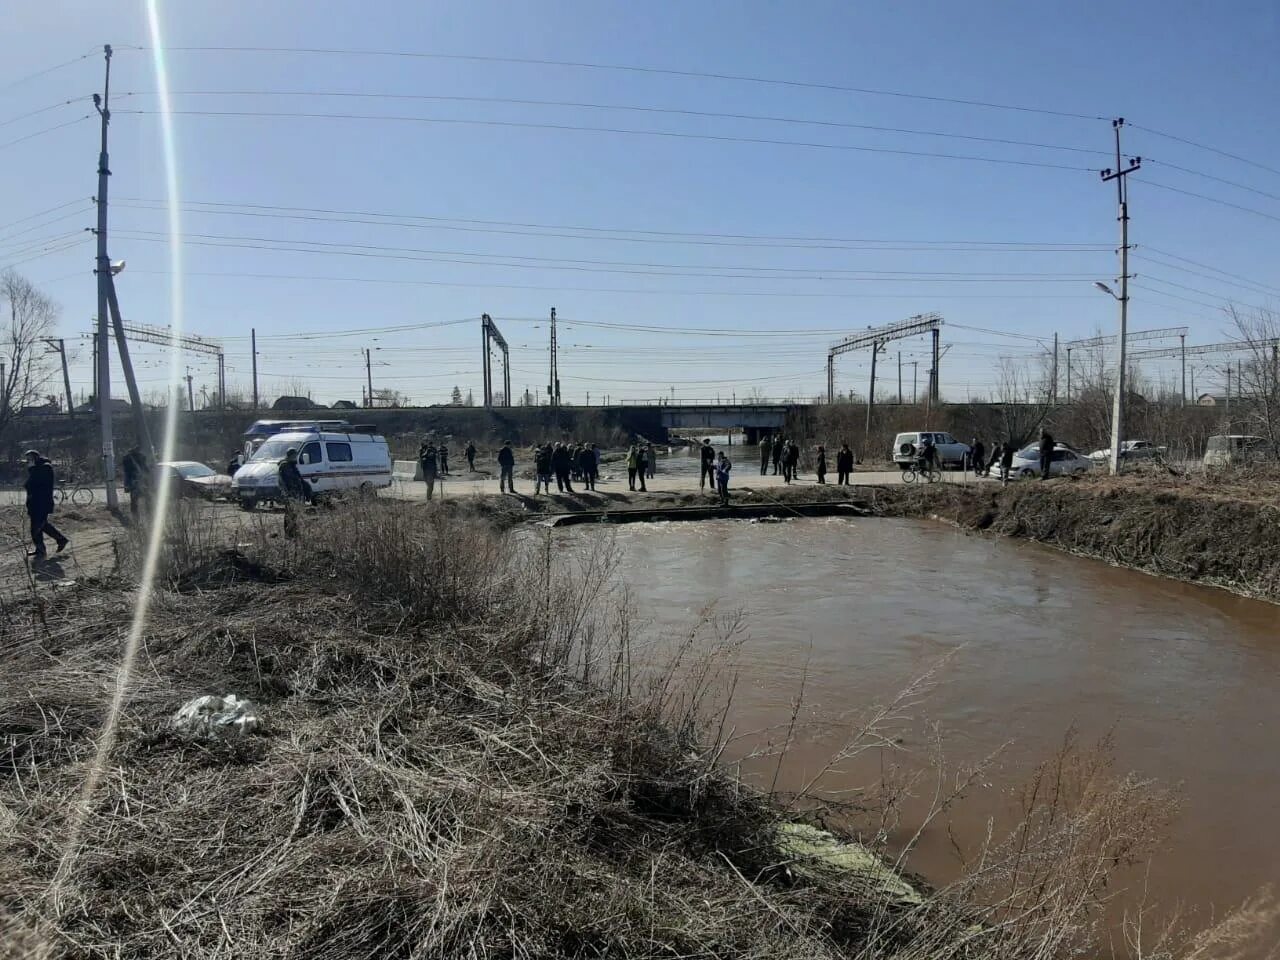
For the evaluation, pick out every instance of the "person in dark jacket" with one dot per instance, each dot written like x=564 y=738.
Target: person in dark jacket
x=778 y=446
x=428 y=458
x=844 y=464
x=1046 y=453
x=137 y=479
x=996 y=454
x=542 y=469
x=707 y=459
x=506 y=468
x=593 y=465
x=723 y=466
x=293 y=491
x=791 y=461
x=822 y=464
x=1006 y=461
x=562 y=463
x=444 y=460
x=765 y=449
x=977 y=456
x=39 y=486
x=471 y=456
x=234 y=464
x=586 y=462
x=642 y=465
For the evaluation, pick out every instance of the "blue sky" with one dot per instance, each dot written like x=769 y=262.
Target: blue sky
x=638 y=231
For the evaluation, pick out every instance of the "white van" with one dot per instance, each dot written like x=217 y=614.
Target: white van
x=1232 y=448
x=951 y=452
x=329 y=463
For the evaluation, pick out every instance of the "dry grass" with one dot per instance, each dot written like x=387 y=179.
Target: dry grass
x=460 y=758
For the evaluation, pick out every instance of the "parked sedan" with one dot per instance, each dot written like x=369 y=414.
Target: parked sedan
x=1064 y=462
x=1129 y=450
x=195 y=479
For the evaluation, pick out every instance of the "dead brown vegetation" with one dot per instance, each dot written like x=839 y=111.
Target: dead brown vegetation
x=463 y=756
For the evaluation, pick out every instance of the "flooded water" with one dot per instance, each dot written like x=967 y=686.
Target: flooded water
x=1187 y=678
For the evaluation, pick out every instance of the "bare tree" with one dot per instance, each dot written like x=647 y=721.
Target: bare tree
x=1025 y=400
x=29 y=317
x=1259 y=373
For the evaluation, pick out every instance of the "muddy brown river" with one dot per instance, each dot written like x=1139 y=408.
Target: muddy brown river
x=1187 y=678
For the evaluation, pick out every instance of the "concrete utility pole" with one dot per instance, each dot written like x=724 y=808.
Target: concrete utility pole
x=871 y=393
x=140 y=429
x=899 y=378
x=553 y=386
x=103 y=271
x=1183 y=338
x=1120 y=175
x=1054 y=391
x=191 y=395
x=1068 y=374
x=59 y=347
x=368 y=374
x=253 y=347
x=915 y=381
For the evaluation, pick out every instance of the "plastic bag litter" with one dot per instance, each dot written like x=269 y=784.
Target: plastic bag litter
x=214 y=716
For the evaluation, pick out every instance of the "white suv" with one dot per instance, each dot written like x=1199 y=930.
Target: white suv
x=950 y=451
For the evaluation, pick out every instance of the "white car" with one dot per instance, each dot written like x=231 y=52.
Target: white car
x=1064 y=462
x=951 y=453
x=1129 y=450
x=329 y=463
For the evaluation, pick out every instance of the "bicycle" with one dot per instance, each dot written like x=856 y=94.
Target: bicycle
x=79 y=494
x=929 y=474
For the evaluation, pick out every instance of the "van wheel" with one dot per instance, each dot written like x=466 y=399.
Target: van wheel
x=366 y=489
x=248 y=505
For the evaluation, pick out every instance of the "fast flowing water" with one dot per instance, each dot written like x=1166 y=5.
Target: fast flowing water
x=1036 y=642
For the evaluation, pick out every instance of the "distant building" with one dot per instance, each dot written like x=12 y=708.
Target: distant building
x=1213 y=400
x=344 y=405
x=293 y=403
x=118 y=405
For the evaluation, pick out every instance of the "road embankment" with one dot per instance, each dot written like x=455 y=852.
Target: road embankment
x=1224 y=534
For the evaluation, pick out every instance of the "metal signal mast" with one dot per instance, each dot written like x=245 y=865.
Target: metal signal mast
x=875 y=339
x=489 y=335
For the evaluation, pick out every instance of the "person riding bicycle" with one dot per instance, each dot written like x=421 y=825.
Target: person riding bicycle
x=927 y=454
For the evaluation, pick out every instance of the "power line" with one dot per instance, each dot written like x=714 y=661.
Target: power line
x=1207 y=276
x=595 y=266
x=626 y=290
x=526 y=125
x=1197 y=263
x=47 y=70
x=36 y=113
x=666 y=111
x=1202 y=146
x=40 y=133
x=595 y=233
x=870 y=91
x=43 y=224
x=1215 y=178
x=35 y=216
x=1200 y=196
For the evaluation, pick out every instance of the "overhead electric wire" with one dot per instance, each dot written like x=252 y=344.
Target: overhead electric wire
x=717 y=138
x=40 y=133
x=667 y=111
x=700 y=75
x=560 y=288
x=36 y=113
x=43 y=224
x=1146 y=181
x=1197 y=263
x=1214 y=177
x=47 y=70
x=1207 y=276
x=35 y=216
x=594 y=233
x=607 y=266
x=1202 y=146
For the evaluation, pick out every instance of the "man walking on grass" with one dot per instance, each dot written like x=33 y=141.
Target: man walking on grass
x=506 y=468
x=39 y=486
x=427 y=457
x=137 y=479
x=765 y=448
